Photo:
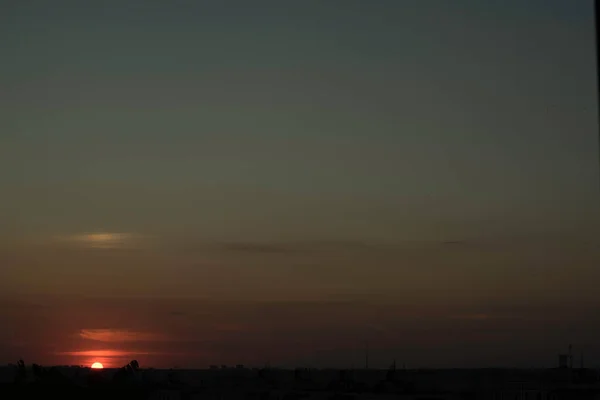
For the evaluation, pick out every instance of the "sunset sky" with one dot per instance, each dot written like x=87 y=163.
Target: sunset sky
x=217 y=182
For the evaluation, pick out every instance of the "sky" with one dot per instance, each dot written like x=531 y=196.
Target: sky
x=192 y=183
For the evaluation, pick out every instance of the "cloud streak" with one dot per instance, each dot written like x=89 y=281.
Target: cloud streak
x=475 y=317
x=106 y=353
x=120 y=336
x=257 y=248
x=104 y=240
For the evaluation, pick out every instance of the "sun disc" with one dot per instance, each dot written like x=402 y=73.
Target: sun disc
x=97 y=365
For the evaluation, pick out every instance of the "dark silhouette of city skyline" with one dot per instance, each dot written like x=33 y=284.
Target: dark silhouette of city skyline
x=131 y=380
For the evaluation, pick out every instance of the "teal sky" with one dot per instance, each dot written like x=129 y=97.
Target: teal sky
x=425 y=152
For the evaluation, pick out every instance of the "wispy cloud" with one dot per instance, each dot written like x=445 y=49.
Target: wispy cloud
x=286 y=247
x=104 y=240
x=257 y=248
x=489 y=317
x=177 y=313
x=455 y=242
x=105 y=353
x=99 y=354
x=120 y=336
x=230 y=327
x=473 y=317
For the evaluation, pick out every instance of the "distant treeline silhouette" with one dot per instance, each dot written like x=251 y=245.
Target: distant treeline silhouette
x=128 y=373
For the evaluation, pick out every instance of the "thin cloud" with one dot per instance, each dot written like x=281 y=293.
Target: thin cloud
x=121 y=353
x=473 y=317
x=257 y=248
x=487 y=317
x=286 y=247
x=105 y=353
x=230 y=327
x=104 y=240
x=455 y=242
x=120 y=336
x=177 y=313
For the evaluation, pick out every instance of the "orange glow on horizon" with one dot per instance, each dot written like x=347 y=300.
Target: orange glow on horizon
x=97 y=365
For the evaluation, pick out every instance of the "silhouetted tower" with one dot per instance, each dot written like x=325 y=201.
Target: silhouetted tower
x=571 y=356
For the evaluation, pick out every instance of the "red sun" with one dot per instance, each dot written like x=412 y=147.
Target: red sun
x=97 y=365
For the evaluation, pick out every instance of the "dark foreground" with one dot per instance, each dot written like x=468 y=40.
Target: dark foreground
x=131 y=382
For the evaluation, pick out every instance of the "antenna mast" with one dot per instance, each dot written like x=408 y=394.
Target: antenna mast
x=570 y=370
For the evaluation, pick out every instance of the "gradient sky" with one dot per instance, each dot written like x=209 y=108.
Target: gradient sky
x=199 y=182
